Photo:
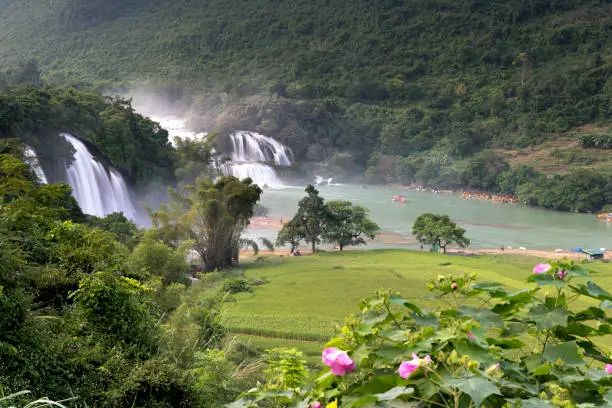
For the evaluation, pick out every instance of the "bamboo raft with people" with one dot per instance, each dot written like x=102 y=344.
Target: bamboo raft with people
x=505 y=198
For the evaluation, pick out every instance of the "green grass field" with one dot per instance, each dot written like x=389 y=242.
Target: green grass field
x=307 y=297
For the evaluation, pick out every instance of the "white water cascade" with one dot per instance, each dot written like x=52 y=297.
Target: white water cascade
x=251 y=155
x=32 y=159
x=176 y=127
x=97 y=191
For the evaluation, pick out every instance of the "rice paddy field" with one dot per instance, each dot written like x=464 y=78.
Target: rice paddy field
x=306 y=298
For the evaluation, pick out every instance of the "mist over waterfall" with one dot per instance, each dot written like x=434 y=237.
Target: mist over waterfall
x=97 y=191
x=32 y=159
x=251 y=155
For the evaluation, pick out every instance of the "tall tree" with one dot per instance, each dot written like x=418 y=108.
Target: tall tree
x=212 y=215
x=312 y=217
x=348 y=224
x=289 y=234
x=440 y=230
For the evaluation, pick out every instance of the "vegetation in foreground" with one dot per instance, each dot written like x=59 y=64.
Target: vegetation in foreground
x=306 y=298
x=471 y=351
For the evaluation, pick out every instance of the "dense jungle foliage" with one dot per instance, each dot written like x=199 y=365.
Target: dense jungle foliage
x=390 y=91
x=102 y=311
x=37 y=113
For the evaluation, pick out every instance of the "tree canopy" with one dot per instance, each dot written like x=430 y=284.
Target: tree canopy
x=337 y=222
x=438 y=230
x=212 y=215
x=348 y=224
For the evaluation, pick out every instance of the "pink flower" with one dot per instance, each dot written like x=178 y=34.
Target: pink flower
x=609 y=368
x=541 y=268
x=315 y=404
x=562 y=274
x=408 y=367
x=454 y=286
x=471 y=336
x=339 y=362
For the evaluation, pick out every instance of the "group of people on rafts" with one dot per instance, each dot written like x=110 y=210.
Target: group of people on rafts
x=508 y=198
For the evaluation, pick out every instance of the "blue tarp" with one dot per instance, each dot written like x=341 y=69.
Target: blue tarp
x=577 y=250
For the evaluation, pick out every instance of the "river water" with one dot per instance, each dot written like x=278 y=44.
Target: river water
x=489 y=225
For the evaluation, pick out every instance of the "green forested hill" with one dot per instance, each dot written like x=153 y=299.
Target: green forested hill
x=407 y=89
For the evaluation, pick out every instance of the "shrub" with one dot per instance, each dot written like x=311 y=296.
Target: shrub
x=236 y=285
x=484 y=346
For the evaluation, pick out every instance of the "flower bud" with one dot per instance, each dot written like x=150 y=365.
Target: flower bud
x=492 y=369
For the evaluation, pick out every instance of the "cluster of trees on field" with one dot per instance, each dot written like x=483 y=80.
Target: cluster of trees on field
x=336 y=222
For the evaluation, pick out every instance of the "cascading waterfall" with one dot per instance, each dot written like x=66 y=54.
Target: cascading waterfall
x=97 y=191
x=251 y=153
x=176 y=127
x=32 y=159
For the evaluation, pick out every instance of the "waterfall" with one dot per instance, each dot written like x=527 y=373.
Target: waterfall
x=253 y=147
x=176 y=127
x=251 y=153
x=97 y=191
x=32 y=161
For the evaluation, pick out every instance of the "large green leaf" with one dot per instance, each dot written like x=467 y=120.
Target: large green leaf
x=483 y=316
x=546 y=317
x=593 y=290
x=566 y=352
x=393 y=393
x=476 y=353
x=379 y=384
x=425 y=320
x=396 y=299
x=353 y=401
x=477 y=388
x=546 y=280
x=536 y=403
x=375 y=316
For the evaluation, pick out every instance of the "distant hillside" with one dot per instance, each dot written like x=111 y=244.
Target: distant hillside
x=407 y=89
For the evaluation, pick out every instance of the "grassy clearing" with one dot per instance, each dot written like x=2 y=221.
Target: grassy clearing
x=560 y=156
x=307 y=297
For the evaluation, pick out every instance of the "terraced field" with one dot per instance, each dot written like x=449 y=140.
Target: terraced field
x=306 y=298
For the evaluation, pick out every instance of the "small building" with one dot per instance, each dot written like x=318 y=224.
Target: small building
x=593 y=254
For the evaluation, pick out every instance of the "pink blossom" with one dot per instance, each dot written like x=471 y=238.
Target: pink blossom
x=562 y=274
x=471 y=336
x=339 y=362
x=541 y=268
x=454 y=286
x=408 y=367
x=609 y=368
x=315 y=404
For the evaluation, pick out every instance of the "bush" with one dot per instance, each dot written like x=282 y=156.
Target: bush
x=484 y=346
x=236 y=285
